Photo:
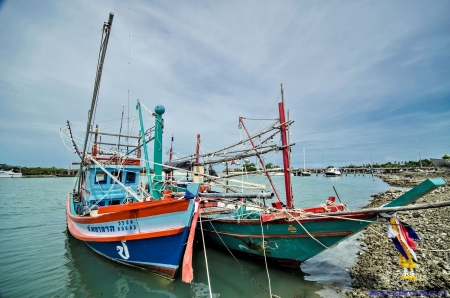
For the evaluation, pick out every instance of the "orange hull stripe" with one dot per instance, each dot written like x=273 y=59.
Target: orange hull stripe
x=84 y=237
x=141 y=205
x=130 y=211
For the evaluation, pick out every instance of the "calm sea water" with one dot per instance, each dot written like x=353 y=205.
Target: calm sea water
x=40 y=259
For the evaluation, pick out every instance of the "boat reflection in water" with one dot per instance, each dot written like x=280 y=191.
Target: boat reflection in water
x=90 y=275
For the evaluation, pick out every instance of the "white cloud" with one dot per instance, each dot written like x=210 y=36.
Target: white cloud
x=356 y=74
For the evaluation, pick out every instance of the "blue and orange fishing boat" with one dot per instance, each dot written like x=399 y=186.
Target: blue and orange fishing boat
x=116 y=207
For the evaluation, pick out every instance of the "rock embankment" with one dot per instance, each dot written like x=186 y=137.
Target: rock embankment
x=378 y=266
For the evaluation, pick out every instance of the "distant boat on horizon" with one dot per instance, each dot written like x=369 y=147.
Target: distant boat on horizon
x=304 y=173
x=9 y=174
x=66 y=175
x=332 y=172
x=440 y=162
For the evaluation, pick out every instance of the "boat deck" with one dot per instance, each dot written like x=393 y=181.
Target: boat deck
x=214 y=210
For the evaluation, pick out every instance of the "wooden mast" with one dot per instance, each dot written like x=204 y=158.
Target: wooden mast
x=104 y=44
x=286 y=161
x=197 y=150
x=169 y=175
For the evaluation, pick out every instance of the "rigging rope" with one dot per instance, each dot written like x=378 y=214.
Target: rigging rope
x=265 y=257
x=268 y=111
x=231 y=253
x=206 y=258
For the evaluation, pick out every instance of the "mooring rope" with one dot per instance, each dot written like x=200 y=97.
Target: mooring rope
x=206 y=258
x=265 y=257
x=306 y=230
x=242 y=267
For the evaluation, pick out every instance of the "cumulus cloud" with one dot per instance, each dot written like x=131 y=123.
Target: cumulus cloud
x=361 y=78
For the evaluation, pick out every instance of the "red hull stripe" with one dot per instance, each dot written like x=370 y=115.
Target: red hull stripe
x=280 y=218
x=130 y=211
x=286 y=236
x=83 y=237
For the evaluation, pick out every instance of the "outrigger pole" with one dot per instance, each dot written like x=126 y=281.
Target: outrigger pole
x=101 y=59
x=241 y=121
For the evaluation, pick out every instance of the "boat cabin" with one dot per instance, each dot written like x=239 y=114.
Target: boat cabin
x=101 y=189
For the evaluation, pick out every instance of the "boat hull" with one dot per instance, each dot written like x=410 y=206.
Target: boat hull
x=284 y=242
x=440 y=163
x=332 y=172
x=289 y=239
x=10 y=174
x=147 y=235
x=160 y=255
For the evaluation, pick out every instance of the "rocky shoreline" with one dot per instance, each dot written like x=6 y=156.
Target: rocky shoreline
x=378 y=266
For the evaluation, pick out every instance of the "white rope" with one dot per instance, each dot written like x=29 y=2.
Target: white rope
x=306 y=230
x=265 y=257
x=231 y=253
x=340 y=217
x=206 y=258
x=268 y=111
x=62 y=139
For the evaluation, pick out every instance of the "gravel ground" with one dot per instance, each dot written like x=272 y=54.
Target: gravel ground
x=378 y=261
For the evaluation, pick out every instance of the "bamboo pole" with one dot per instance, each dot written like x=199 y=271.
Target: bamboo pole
x=261 y=195
x=384 y=210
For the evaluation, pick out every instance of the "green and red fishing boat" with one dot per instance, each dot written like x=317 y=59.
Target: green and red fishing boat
x=279 y=232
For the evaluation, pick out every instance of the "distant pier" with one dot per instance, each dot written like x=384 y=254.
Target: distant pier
x=365 y=171
x=344 y=171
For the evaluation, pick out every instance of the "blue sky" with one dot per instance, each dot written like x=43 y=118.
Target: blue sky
x=363 y=79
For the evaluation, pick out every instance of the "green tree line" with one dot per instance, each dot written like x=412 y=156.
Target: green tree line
x=42 y=171
x=396 y=164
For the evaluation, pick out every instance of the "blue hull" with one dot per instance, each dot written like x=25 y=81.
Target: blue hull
x=161 y=255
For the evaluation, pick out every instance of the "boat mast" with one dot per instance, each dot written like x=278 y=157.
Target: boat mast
x=169 y=175
x=171 y=152
x=197 y=150
x=286 y=149
x=157 y=152
x=304 y=160
x=101 y=59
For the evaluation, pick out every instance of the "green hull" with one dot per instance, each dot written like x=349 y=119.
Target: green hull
x=292 y=242
x=284 y=241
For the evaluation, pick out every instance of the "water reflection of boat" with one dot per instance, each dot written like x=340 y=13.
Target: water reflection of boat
x=90 y=275
x=116 y=281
